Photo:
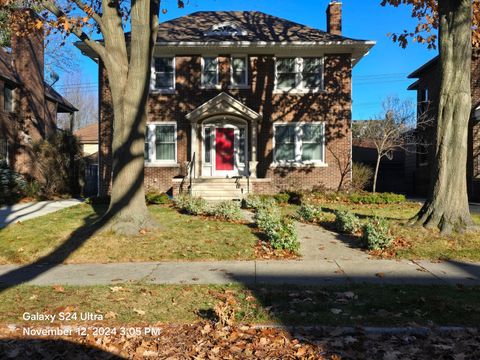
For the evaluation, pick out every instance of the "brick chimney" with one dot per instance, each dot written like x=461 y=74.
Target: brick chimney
x=334 y=18
x=27 y=42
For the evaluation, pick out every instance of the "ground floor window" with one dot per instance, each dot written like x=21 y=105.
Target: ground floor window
x=161 y=143
x=299 y=143
x=3 y=149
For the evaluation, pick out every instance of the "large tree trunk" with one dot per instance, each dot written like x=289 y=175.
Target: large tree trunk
x=447 y=205
x=127 y=213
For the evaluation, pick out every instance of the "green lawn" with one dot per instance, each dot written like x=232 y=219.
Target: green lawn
x=181 y=237
x=289 y=305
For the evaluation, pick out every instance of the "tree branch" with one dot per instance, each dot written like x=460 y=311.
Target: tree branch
x=58 y=13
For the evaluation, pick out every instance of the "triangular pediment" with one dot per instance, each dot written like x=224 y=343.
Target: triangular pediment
x=222 y=104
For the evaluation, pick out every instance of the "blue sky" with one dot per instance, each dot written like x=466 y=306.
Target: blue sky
x=382 y=73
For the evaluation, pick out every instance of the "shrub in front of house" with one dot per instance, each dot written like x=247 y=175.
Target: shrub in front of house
x=156 y=198
x=282 y=198
x=191 y=205
x=347 y=222
x=257 y=201
x=376 y=234
x=280 y=231
x=362 y=176
x=226 y=210
x=12 y=184
x=309 y=213
x=376 y=198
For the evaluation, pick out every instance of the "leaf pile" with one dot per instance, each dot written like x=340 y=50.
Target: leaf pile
x=205 y=340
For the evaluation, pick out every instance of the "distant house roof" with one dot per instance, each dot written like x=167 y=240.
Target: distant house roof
x=88 y=134
x=246 y=29
x=424 y=68
x=8 y=73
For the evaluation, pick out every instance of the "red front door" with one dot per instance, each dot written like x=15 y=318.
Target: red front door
x=224 y=139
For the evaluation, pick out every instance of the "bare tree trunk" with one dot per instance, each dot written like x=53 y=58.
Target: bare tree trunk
x=447 y=205
x=375 y=176
x=127 y=213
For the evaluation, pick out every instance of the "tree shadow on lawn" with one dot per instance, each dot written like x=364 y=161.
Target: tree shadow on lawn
x=51 y=349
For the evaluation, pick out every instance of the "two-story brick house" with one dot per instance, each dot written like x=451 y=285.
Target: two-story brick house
x=418 y=166
x=244 y=102
x=28 y=105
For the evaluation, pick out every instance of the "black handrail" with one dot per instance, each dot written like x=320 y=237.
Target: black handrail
x=191 y=173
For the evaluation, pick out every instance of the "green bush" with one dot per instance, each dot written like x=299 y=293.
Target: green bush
x=346 y=222
x=282 y=198
x=280 y=231
x=191 y=205
x=156 y=198
x=226 y=210
x=361 y=176
x=376 y=235
x=12 y=184
x=257 y=201
x=376 y=198
x=309 y=213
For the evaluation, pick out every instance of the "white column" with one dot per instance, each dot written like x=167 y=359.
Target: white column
x=253 y=162
x=194 y=147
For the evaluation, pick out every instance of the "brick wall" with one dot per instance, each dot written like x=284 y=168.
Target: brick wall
x=333 y=106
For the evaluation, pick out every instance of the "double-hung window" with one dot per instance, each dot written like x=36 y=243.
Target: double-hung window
x=8 y=98
x=161 y=143
x=163 y=73
x=299 y=143
x=299 y=74
x=239 y=71
x=209 y=72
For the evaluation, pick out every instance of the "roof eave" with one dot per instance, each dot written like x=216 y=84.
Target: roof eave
x=421 y=69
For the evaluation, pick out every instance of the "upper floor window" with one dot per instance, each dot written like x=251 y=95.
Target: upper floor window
x=225 y=29
x=296 y=73
x=239 y=71
x=423 y=101
x=209 y=72
x=299 y=143
x=161 y=143
x=163 y=73
x=8 y=104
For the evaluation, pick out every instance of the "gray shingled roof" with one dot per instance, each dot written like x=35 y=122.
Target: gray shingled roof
x=258 y=27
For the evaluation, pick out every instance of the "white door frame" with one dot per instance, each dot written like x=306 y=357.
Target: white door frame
x=229 y=122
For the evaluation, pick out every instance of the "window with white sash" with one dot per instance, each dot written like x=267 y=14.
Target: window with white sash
x=300 y=143
x=209 y=72
x=163 y=74
x=161 y=143
x=297 y=73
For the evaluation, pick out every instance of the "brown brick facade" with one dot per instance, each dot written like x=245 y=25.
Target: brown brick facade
x=332 y=106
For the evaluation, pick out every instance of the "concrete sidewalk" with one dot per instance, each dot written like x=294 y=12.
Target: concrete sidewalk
x=299 y=272
x=21 y=212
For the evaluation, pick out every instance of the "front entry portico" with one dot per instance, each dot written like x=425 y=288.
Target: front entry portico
x=223 y=139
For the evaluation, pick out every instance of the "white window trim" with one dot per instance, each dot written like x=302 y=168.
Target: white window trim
x=13 y=105
x=239 y=86
x=298 y=147
x=152 y=149
x=299 y=89
x=217 y=85
x=170 y=90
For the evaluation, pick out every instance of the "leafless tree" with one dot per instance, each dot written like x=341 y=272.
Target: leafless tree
x=394 y=129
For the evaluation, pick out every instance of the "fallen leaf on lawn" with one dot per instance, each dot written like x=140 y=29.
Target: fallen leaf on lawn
x=335 y=311
x=33 y=297
x=110 y=315
x=380 y=275
x=59 y=288
x=139 y=312
x=21 y=250
x=116 y=288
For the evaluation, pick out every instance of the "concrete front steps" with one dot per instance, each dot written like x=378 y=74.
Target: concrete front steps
x=219 y=189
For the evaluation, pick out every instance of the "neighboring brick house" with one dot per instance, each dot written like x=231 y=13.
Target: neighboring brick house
x=258 y=101
x=417 y=166
x=28 y=106
x=88 y=138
